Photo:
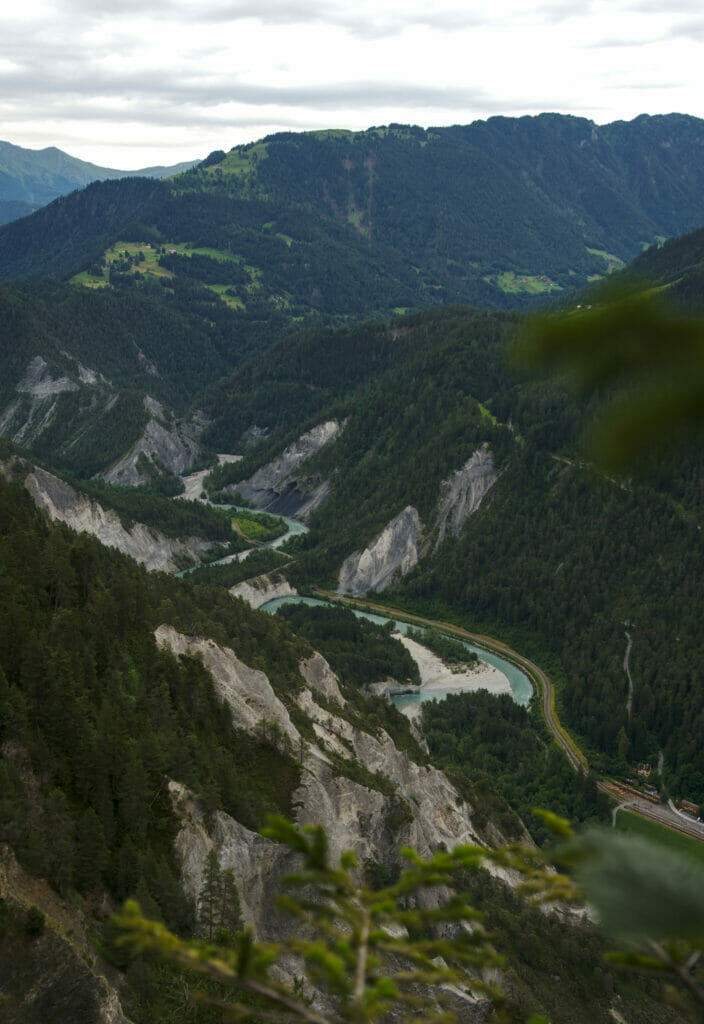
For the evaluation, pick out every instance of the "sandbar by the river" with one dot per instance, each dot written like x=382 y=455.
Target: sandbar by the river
x=436 y=676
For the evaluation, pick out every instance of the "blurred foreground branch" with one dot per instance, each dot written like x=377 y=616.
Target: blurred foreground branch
x=646 y=357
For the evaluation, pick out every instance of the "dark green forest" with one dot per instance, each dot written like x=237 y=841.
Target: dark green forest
x=505 y=748
x=358 y=651
x=94 y=717
x=91 y=707
x=452 y=652
x=260 y=560
x=345 y=223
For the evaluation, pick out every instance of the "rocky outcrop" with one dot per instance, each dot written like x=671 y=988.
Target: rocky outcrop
x=464 y=491
x=321 y=678
x=404 y=803
x=260 y=589
x=194 y=483
x=391 y=554
x=256 y=863
x=38 y=391
x=397 y=548
x=170 y=446
x=39 y=383
x=279 y=487
x=154 y=550
x=247 y=690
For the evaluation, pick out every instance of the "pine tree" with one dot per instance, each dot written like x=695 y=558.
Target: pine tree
x=230 y=920
x=210 y=896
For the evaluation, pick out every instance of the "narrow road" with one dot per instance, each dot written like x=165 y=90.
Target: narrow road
x=627 y=670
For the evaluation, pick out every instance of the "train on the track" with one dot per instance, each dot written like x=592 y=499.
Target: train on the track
x=627 y=790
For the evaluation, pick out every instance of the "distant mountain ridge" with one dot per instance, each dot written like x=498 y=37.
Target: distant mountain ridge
x=498 y=213
x=34 y=177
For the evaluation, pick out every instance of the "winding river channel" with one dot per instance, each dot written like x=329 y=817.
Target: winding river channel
x=521 y=686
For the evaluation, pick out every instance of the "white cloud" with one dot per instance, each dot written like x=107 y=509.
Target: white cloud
x=181 y=78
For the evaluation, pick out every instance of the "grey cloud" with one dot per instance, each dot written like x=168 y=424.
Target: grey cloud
x=620 y=42
x=644 y=86
x=282 y=12
x=347 y=17
x=173 y=102
x=56 y=85
x=689 y=29
x=560 y=10
x=365 y=25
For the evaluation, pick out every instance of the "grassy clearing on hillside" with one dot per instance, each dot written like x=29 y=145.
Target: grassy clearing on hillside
x=241 y=161
x=627 y=822
x=224 y=292
x=258 y=526
x=142 y=258
x=511 y=283
x=612 y=262
x=487 y=413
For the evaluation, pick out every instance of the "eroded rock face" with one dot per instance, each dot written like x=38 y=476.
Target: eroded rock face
x=174 y=446
x=320 y=677
x=412 y=804
x=391 y=554
x=39 y=383
x=247 y=690
x=280 y=488
x=256 y=863
x=464 y=491
x=26 y=417
x=154 y=550
x=397 y=548
x=260 y=589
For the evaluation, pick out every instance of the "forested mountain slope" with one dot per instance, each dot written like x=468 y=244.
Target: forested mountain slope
x=493 y=212
x=677 y=264
x=13 y=209
x=554 y=555
x=509 y=193
x=84 y=372
x=145 y=721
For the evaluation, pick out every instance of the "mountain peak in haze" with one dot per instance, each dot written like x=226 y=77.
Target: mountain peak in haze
x=30 y=178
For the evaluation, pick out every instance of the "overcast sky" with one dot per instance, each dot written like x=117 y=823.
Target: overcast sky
x=128 y=83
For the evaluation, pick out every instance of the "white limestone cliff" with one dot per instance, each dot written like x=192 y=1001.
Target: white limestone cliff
x=150 y=547
x=392 y=553
x=463 y=492
x=280 y=486
x=260 y=589
x=248 y=692
x=417 y=805
x=169 y=444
